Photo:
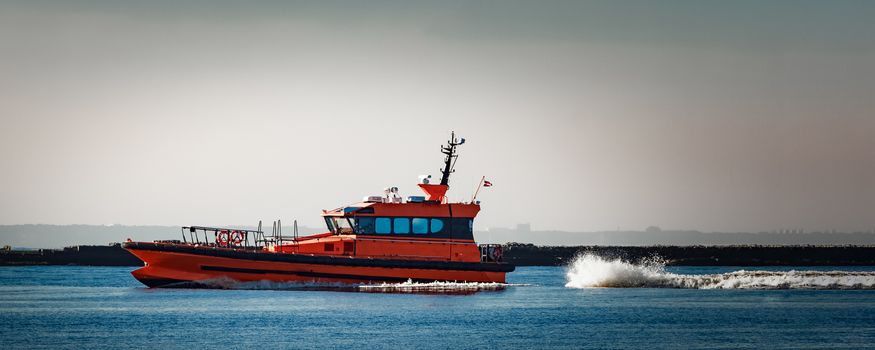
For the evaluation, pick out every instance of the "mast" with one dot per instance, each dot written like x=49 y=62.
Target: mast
x=450 y=161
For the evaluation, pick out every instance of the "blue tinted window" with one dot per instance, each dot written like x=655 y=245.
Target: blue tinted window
x=420 y=225
x=436 y=225
x=383 y=226
x=402 y=225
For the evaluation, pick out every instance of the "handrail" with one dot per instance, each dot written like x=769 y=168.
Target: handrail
x=195 y=238
x=205 y=228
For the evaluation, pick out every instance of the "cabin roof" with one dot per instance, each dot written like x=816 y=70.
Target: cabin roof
x=424 y=209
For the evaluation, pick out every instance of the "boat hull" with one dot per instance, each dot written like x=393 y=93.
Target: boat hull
x=179 y=265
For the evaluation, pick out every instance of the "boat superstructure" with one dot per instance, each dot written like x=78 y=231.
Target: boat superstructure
x=383 y=238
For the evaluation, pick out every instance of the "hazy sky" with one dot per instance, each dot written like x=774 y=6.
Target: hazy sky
x=710 y=115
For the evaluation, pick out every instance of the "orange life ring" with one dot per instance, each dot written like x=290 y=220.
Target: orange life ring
x=223 y=237
x=236 y=237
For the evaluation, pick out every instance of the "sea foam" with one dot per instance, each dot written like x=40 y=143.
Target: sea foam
x=591 y=271
x=409 y=286
x=433 y=287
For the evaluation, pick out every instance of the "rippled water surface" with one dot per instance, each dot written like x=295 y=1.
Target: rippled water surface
x=98 y=307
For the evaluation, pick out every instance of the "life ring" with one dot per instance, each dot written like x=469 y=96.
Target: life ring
x=223 y=237
x=236 y=237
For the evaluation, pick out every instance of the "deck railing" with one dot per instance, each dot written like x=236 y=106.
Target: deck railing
x=491 y=253
x=227 y=237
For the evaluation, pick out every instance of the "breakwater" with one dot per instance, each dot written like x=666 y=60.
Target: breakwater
x=738 y=255
x=89 y=255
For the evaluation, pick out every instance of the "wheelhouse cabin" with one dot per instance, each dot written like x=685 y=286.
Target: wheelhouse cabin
x=417 y=229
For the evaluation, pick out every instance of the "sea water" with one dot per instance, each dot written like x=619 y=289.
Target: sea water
x=593 y=303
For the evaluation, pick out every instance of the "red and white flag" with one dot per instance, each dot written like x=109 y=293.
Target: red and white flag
x=483 y=183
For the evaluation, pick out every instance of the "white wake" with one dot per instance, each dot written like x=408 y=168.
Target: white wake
x=408 y=286
x=591 y=271
x=433 y=287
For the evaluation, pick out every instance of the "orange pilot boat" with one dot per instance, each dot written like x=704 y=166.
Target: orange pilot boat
x=381 y=239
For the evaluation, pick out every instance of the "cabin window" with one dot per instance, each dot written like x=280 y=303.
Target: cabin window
x=436 y=225
x=330 y=224
x=462 y=227
x=342 y=225
x=402 y=225
x=383 y=226
x=420 y=225
x=364 y=225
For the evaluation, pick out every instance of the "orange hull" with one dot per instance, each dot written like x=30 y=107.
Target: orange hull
x=183 y=265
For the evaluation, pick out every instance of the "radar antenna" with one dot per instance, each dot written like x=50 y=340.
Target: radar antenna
x=450 y=161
